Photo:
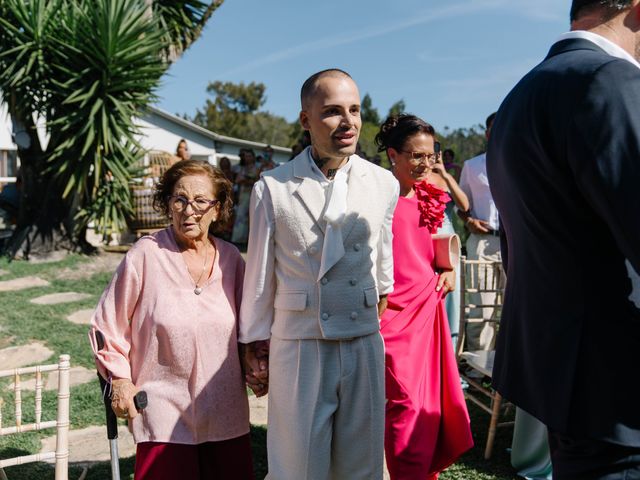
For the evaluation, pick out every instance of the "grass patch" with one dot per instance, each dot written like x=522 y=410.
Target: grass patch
x=22 y=268
x=22 y=322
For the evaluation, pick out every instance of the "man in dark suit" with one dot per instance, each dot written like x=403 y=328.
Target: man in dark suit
x=564 y=169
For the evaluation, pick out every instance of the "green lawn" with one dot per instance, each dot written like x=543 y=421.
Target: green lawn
x=22 y=322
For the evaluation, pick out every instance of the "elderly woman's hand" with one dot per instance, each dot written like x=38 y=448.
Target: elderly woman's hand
x=254 y=358
x=447 y=282
x=122 y=393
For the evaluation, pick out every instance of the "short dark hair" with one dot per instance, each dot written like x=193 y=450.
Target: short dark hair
x=396 y=129
x=610 y=8
x=309 y=85
x=221 y=186
x=489 y=121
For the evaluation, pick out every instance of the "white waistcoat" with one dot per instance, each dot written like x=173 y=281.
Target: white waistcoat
x=342 y=304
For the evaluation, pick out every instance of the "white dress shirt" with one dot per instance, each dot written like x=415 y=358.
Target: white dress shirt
x=260 y=278
x=605 y=44
x=475 y=184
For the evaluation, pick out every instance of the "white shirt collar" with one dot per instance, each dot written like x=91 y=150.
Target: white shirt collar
x=607 y=45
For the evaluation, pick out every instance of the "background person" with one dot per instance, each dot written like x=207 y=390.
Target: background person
x=248 y=173
x=448 y=158
x=169 y=318
x=182 y=150
x=483 y=242
x=564 y=169
x=427 y=424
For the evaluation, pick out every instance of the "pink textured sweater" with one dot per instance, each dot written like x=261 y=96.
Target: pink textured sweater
x=179 y=347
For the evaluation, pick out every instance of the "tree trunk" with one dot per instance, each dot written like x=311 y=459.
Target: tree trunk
x=42 y=212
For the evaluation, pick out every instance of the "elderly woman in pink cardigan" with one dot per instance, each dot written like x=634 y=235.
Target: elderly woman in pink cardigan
x=169 y=321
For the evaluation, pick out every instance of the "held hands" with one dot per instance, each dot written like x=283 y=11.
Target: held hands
x=122 y=393
x=477 y=226
x=446 y=282
x=254 y=359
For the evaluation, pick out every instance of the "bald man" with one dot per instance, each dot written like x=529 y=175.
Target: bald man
x=319 y=268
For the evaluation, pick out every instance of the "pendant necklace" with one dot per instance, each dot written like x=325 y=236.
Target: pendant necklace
x=198 y=289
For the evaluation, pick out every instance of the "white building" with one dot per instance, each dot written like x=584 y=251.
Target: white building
x=160 y=131
x=8 y=150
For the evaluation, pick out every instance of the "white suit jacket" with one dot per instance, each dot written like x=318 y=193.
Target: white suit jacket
x=282 y=294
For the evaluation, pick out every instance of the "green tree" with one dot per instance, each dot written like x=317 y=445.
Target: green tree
x=88 y=67
x=368 y=113
x=397 y=108
x=235 y=112
x=465 y=142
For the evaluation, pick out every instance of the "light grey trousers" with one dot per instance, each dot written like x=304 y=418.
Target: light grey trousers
x=326 y=409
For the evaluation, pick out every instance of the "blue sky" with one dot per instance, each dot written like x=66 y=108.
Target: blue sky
x=451 y=61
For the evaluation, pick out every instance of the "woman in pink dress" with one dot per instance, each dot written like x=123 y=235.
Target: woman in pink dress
x=427 y=423
x=169 y=323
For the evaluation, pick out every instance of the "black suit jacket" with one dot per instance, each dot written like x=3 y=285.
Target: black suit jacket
x=564 y=170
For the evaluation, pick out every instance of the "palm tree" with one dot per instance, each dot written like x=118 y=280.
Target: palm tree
x=87 y=67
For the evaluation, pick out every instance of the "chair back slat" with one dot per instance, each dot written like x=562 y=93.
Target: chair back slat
x=61 y=454
x=38 y=396
x=17 y=389
x=479 y=280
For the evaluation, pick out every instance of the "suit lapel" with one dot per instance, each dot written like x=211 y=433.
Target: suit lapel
x=309 y=191
x=357 y=185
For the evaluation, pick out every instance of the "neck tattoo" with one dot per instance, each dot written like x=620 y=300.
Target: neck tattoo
x=321 y=162
x=331 y=173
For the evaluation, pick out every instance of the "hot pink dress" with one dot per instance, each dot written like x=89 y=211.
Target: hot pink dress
x=427 y=423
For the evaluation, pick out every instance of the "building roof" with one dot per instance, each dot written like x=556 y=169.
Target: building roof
x=214 y=136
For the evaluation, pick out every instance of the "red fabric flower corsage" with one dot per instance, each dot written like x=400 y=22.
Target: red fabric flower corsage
x=432 y=203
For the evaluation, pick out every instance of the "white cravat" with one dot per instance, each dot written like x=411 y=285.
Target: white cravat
x=334 y=215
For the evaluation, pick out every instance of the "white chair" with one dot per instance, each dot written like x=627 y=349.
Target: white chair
x=61 y=454
x=482 y=291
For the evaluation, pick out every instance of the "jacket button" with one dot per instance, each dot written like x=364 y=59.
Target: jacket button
x=324 y=280
x=356 y=247
x=353 y=281
x=313 y=250
x=325 y=316
x=354 y=315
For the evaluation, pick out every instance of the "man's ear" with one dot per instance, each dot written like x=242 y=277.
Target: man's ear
x=304 y=119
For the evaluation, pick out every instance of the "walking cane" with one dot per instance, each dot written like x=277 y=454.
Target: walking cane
x=140 y=401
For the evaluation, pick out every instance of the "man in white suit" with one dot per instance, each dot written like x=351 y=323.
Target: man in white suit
x=319 y=268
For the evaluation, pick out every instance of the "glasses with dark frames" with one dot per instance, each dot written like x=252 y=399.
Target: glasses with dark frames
x=178 y=203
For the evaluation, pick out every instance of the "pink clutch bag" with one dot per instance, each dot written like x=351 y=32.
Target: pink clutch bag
x=447 y=250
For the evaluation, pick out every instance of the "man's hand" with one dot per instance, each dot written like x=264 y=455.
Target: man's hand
x=446 y=282
x=254 y=359
x=477 y=226
x=382 y=305
x=122 y=393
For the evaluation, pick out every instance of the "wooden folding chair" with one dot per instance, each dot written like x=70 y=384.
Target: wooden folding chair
x=145 y=219
x=61 y=454
x=482 y=291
